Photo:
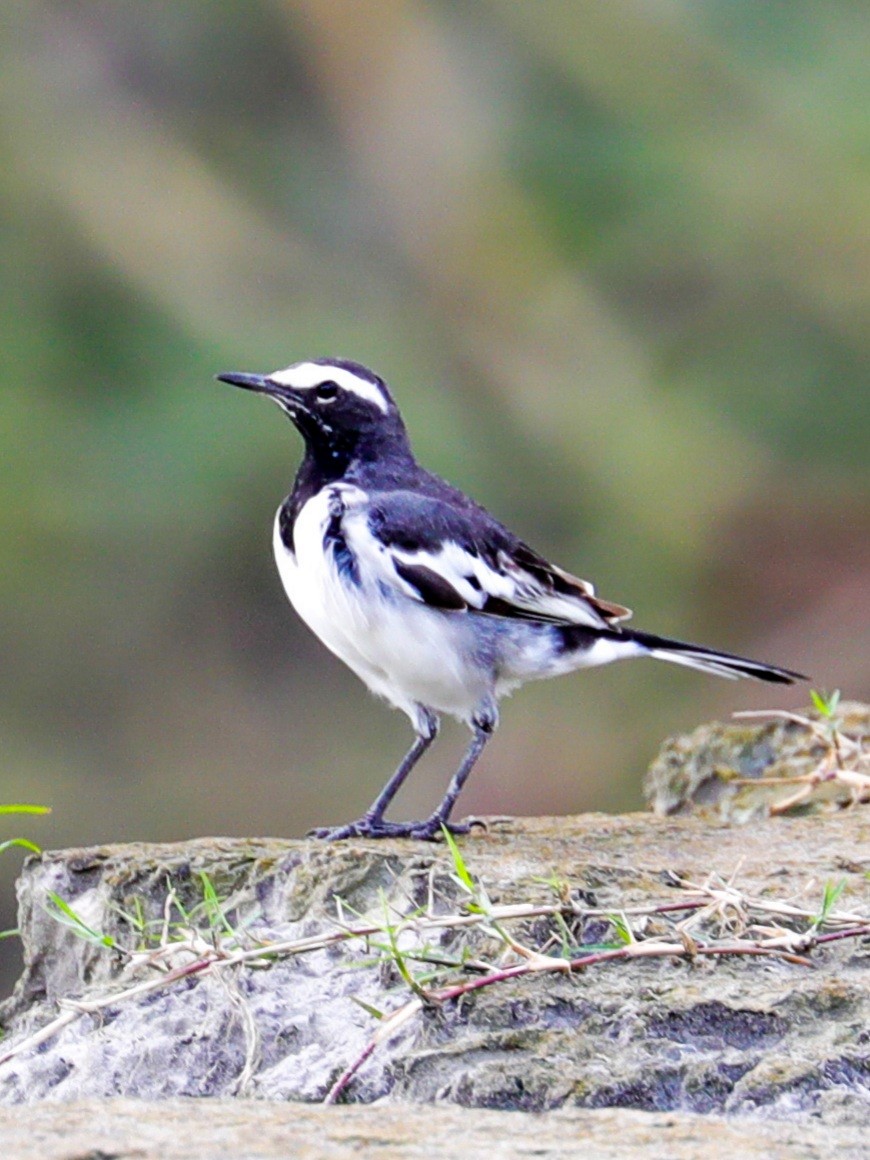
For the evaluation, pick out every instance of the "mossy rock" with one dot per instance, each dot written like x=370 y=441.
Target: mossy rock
x=739 y=771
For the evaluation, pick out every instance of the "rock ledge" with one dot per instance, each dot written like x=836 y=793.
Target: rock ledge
x=766 y=1037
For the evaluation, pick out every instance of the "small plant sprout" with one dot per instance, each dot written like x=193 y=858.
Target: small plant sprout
x=825 y=703
x=214 y=909
x=622 y=927
x=830 y=897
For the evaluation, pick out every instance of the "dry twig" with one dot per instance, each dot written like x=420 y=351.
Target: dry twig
x=713 y=918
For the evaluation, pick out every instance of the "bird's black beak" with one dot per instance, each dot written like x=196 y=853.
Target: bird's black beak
x=259 y=383
x=288 y=399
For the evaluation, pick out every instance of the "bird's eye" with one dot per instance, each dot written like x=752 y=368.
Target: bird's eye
x=326 y=391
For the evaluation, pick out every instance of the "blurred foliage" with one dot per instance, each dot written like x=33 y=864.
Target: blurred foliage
x=613 y=259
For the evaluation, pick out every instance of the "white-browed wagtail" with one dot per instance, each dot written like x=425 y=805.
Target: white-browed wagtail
x=432 y=602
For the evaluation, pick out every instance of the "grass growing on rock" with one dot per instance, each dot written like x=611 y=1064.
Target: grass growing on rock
x=457 y=942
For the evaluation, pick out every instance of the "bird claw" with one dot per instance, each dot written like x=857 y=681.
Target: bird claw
x=429 y=830
x=362 y=828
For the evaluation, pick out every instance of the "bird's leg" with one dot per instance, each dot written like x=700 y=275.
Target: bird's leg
x=483 y=723
x=372 y=824
x=427 y=731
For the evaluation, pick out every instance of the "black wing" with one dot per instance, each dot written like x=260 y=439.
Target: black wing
x=450 y=553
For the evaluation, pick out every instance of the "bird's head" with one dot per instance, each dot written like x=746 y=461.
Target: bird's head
x=342 y=410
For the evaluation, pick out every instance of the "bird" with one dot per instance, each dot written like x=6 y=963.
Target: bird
x=436 y=605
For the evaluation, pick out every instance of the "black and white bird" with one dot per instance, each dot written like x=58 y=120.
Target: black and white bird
x=432 y=602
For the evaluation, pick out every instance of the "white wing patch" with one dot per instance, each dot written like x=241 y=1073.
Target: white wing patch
x=304 y=376
x=477 y=582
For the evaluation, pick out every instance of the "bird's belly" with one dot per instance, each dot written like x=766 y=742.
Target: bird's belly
x=404 y=651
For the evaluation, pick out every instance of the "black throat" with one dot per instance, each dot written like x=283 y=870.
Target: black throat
x=380 y=461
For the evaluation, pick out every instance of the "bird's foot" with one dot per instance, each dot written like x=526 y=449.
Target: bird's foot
x=429 y=830
x=362 y=828
x=432 y=830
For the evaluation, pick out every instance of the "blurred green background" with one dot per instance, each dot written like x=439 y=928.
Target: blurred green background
x=611 y=256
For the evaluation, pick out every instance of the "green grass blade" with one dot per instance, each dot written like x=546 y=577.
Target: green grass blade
x=830 y=897
x=397 y=955
x=825 y=703
x=367 y=1007
x=22 y=842
x=458 y=862
x=69 y=918
x=622 y=928
x=214 y=906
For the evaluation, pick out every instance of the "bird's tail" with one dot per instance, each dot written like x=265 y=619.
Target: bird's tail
x=708 y=660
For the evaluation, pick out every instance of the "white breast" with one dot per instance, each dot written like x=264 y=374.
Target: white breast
x=315 y=590
x=402 y=650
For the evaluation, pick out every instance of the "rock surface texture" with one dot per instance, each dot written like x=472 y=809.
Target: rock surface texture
x=161 y=983
x=244 y=1129
x=740 y=770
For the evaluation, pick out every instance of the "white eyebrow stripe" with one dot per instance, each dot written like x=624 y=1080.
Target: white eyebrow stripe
x=305 y=375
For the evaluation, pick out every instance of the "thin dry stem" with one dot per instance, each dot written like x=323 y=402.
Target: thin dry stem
x=746 y=925
x=840 y=762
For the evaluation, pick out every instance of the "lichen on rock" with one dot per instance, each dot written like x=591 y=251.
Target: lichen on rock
x=740 y=770
x=729 y=1032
